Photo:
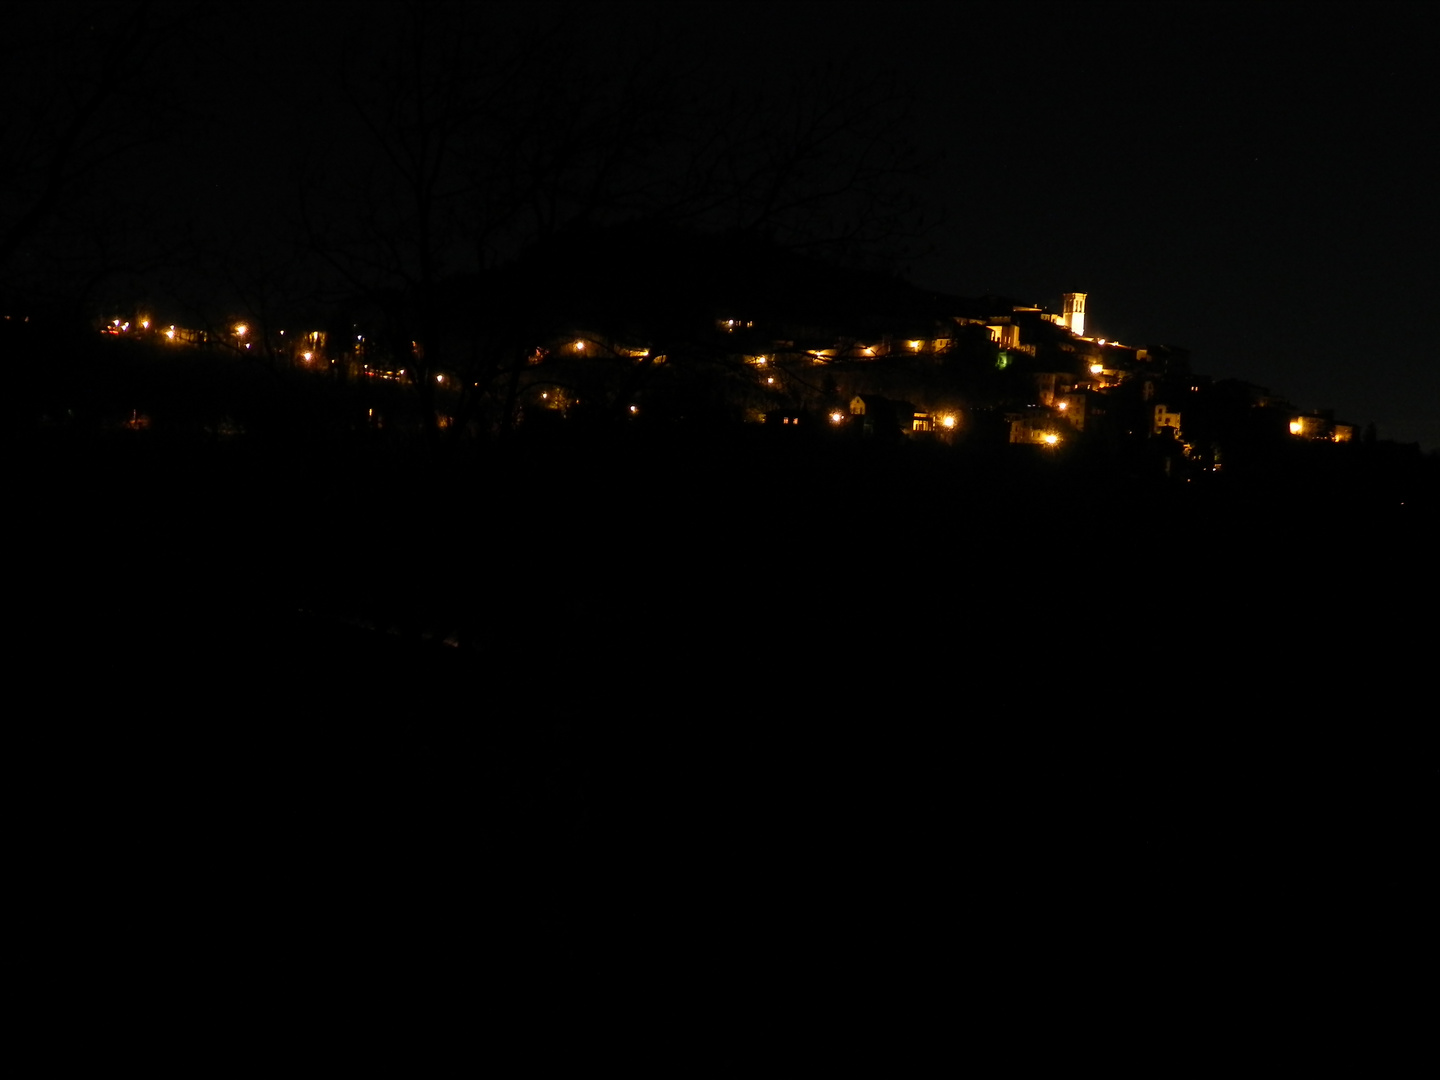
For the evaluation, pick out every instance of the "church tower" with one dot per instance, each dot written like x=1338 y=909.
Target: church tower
x=1074 y=312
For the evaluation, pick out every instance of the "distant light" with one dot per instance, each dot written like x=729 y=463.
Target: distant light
x=947 y=421
x=837 y=417
x=1102 y=341
x=579 y=346
x=1096 y=369
x=1296 y=427
x=634 y=408
x=1063 y=405
x=242 y=329
x=1051 y=440
x=309 y=357
x=440 y=378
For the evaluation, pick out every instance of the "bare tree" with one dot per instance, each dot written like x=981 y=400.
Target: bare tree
x=84 y=102
x=480 y=136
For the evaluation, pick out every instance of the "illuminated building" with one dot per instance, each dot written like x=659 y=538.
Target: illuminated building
x=1163 y=418
x=1073 y=312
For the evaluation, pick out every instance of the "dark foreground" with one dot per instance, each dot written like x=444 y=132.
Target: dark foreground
x=288 y=718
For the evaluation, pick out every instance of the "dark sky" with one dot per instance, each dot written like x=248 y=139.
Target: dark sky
x=1255 y=182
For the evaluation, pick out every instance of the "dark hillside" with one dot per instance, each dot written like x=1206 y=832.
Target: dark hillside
x=561 y=675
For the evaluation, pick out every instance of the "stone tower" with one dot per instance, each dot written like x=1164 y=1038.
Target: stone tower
x=1074 y=312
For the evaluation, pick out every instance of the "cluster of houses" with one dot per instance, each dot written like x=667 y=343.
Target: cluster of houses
x=1059 y=382
x=957 y=365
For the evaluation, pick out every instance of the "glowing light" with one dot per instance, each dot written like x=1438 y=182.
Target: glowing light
x=770 y=380
x=1296 y=427
x=1102 y=341
x=1063 y=405
x=1096 y=369
x=170 y=333
x=947 y=421
x=634 y=408
x=579 y=346
x=144 y=324
x=308 y=357
x=1051 y=440
x=915 y=346
x=439 y=378
x=241 y=330
x=837 y=417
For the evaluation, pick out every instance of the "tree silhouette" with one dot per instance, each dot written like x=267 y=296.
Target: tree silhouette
x=84 y=99
x=481 y=136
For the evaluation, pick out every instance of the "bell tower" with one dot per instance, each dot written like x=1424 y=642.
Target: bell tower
x=1073 y=312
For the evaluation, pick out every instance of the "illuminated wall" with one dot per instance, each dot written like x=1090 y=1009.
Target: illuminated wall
x=1072 y=408
x=1006 y=334
x=1035 y=431
x=1165 y=418
x=1074 y=312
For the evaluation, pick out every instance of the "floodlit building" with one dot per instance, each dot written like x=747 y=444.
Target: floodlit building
x=1073 y=313
x=1164 y=417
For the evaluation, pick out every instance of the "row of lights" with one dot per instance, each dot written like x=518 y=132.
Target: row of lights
x=947 y=421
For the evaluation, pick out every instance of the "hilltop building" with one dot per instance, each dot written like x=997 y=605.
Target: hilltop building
x=1073 y=313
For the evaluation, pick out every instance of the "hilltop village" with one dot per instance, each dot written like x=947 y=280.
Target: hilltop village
x=728 y=338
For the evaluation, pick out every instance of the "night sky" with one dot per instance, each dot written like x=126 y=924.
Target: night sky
x=1253 y=182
